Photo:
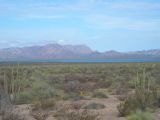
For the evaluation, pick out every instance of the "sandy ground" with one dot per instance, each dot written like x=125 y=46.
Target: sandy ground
x=157 y=115
x=109 y=113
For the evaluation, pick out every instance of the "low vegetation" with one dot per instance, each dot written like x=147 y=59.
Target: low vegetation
x=70 y=113
x=95 y=106
x=99 y=95
x=145 y=96
x=138 y=115
x=43 y=105
x=136 y=85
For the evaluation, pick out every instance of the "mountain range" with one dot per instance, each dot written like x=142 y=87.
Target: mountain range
x=57 y=51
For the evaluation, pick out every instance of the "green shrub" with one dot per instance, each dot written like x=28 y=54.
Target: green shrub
x=142 y=100
x=24 y=98
x=99 y=95
x=138 y=115
x=74 y=96
x=128 y=106
x=95 y=106
x=42 y=90
x=43 y=105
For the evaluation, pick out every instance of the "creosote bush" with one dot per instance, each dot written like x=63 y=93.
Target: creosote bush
x=126 y=107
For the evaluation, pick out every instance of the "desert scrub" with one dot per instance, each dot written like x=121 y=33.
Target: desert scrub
x=12 y=83
x=139 y=101
x=127 y=106
x=41 y=90
x=45 y=104
x=145 y=96
x=24 y=98
x=139 y=115
x=39 y=115
x=74 y=96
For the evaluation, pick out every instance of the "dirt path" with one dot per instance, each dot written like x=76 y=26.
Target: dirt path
x=110 y=112
x=157 y=115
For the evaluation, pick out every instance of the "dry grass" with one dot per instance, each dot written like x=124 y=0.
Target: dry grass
x=40 y=115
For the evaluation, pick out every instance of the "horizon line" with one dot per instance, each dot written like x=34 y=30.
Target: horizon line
x=110 y=50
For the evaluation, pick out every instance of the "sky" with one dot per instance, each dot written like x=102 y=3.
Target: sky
x=122 y=25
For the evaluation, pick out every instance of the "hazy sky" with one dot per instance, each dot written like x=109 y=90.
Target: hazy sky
x=123 y=25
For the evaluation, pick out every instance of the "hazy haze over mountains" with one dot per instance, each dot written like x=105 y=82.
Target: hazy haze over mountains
x=57 y=51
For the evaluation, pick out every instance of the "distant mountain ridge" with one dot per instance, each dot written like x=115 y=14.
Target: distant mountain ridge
x=57 y=51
